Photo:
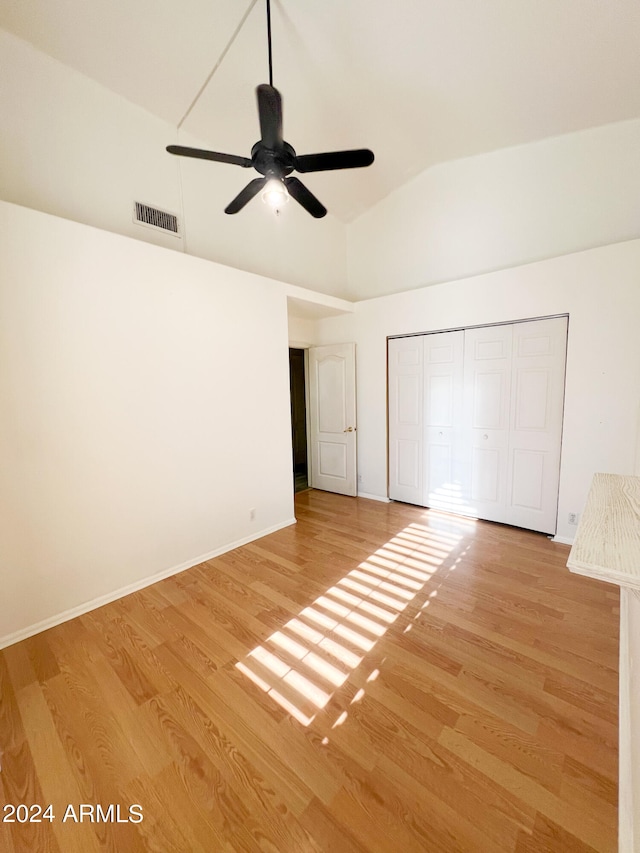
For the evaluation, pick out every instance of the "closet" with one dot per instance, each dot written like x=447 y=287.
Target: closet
x=475 y=421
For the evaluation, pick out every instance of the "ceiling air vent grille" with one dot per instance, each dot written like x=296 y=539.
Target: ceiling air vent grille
x=152 y=217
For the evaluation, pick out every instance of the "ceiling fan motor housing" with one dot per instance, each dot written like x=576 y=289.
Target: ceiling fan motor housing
x=277 y=163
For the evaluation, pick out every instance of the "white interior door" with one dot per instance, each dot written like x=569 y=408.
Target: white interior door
x=332 y=417
x=485 y=445
x=406 y=419
x=537 y=403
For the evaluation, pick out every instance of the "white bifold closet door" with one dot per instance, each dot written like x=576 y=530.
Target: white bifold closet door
x=475 y=421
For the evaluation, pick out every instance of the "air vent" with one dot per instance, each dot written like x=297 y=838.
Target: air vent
x=143 y=214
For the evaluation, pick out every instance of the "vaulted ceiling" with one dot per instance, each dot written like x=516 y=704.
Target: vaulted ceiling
x=417 y=81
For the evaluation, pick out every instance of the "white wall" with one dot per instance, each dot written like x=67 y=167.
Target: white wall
x=302 y=332
x=145 y=411
x=75 y=149
x=499 y=210
x=599 y=289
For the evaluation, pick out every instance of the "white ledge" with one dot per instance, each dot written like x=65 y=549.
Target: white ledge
x=607 y=547
x=607 y=543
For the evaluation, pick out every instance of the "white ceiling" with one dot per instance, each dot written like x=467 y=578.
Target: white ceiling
x=417 y=81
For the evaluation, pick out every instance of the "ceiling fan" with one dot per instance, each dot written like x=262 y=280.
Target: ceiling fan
x=275 y=159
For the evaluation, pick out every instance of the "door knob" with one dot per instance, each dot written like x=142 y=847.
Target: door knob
x=485 y=436
x=348 y=429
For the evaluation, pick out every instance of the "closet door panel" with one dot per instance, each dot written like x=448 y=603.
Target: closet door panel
x=485 y=433
x=406 y=419
x=490 y=398
x=443 y=372
x=527 y=480
x=538 y=368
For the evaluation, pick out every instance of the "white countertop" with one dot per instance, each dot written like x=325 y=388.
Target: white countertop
x=607 y=543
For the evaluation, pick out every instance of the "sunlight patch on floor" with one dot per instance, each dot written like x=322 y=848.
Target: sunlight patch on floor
x=301 y=665
x=451 y=498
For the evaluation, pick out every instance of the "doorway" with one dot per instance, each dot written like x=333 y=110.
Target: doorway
x=298 y=419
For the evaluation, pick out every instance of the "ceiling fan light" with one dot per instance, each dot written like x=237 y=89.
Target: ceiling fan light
x=275 y=194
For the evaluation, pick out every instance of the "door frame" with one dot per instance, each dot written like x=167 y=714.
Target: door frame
x=480 y=326
x=305 y=348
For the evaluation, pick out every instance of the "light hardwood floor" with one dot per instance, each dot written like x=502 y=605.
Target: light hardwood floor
x=375 y=678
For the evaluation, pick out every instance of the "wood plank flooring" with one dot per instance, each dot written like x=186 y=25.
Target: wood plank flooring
x=376 y=678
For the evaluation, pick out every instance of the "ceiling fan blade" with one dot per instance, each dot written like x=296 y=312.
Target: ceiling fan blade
x=305 y=197
x=354 y=159
x=270 y=114
x=245 y=195
x=201 y=154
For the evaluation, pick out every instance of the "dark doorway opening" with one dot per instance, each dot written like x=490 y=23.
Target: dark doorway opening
x=298 y=419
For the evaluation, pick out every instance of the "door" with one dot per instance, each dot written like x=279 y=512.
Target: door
x=406 y=419
x=444 y=475
x=485 y=435
x=332 y=411
x=537 y=403
x=475 y=424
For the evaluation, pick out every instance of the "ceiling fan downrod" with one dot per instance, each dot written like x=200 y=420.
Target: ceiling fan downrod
x=269 y=42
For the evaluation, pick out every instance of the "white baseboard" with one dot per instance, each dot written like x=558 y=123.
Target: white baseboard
x=368 y=497
x=73 y=612
x=563 y=540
